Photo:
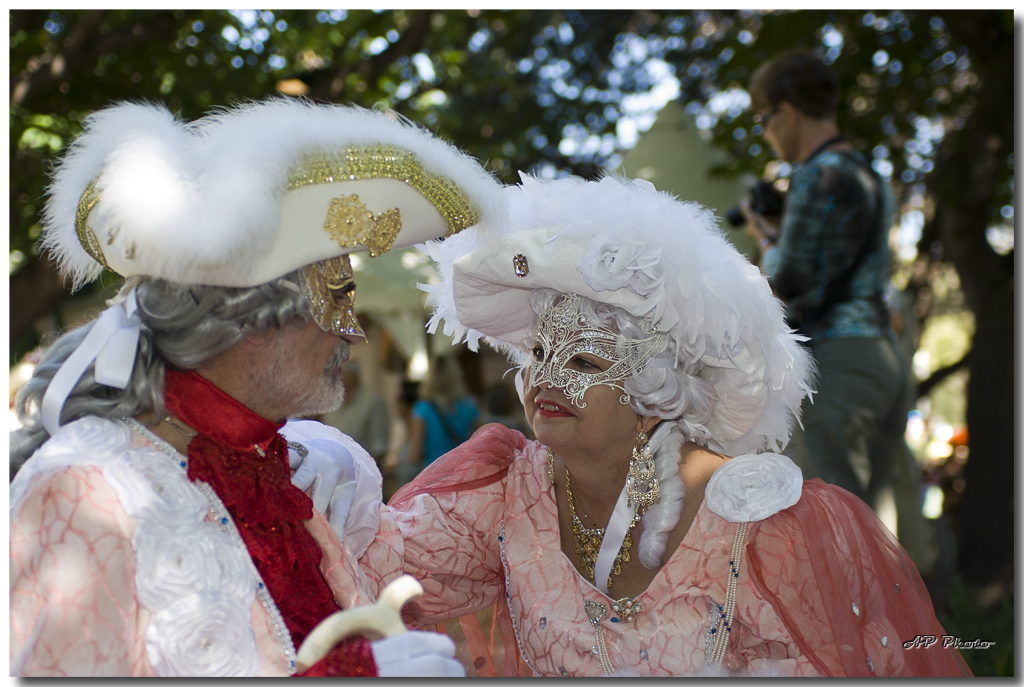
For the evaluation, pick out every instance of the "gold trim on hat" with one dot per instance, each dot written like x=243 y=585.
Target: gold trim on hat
x=326 y=282
x=385 y=162
x=350 y=223
x=86 y=236
x=353 y=164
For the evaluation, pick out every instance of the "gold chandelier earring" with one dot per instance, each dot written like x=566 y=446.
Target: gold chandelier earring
x=642 y=488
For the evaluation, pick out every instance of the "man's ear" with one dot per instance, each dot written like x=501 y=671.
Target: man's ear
x=252 y=340
x=789 y=111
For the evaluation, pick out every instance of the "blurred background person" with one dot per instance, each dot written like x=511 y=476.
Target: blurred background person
x=831 y=265
x=363 y=415
x=400 y=470
x=502 y=406
x=444 y=417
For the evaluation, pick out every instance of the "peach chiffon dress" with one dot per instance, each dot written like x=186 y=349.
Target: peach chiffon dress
x=822 y=590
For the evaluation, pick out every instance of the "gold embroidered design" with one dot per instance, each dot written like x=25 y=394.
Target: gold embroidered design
x=331 y=292
x=383 y=162
x=349 y=223
x=86 y=236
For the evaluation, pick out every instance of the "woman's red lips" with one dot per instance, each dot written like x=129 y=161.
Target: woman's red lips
x=551 y=409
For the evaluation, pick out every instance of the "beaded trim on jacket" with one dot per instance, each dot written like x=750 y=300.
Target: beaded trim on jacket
x=222 y=517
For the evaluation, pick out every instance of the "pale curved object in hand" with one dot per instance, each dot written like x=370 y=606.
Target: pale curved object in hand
x=374 y=621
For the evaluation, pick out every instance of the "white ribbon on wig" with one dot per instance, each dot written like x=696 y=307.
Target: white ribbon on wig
x=111 y=343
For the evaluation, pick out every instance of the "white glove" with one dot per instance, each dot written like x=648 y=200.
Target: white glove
x=416 y=654
x=341 y=478
x=326 y=466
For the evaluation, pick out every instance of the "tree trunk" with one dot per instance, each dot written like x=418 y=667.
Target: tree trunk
x=963 y=184
x=36 y=289
x=987 y=512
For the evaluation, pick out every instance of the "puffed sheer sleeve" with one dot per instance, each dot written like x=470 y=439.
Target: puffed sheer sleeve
x=846 y=592
x=443 y=529
x=72 y=569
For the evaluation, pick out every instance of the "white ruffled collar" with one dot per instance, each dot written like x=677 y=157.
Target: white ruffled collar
x=753 y=487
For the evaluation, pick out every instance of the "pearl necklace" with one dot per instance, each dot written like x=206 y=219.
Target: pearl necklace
x=729 y=607
x=224 y=520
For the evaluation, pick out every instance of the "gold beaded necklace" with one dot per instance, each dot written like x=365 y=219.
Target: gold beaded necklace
x=587 y=545
x=587 y=541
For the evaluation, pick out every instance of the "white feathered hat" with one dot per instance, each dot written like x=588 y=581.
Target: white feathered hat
x=248 y=194
x=626 y=244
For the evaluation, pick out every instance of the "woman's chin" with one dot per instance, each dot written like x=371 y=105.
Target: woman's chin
x=552 y=433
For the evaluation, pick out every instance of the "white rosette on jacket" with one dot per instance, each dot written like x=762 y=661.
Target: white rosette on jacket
x=203 y=634
x=191 y=576
x=152 y=489
x=752 y=487
x=175 y=563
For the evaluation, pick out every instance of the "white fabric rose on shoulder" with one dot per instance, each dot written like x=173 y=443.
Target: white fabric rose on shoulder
x=85 y=442
x=752 y=487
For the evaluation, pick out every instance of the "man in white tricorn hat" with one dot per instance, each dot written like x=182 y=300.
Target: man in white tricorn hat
x=155 y=526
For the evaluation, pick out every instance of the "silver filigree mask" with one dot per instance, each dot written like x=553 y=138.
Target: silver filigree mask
x=566 y=331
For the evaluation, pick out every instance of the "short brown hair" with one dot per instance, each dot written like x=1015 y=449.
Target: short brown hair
x=799 y=78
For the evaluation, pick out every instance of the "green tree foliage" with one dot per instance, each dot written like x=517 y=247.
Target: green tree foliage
x=495 y=82
x=928 y=96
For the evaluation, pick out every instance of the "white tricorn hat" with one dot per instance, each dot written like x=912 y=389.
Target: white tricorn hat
x=626 y=244
x=248 y=194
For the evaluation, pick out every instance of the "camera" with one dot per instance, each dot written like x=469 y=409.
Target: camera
x=765 y=200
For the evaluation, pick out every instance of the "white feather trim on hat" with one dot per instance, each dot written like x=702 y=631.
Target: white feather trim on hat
x=209 y=202
x=626 y=244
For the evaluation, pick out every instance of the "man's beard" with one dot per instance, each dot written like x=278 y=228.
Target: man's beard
x=296 y=394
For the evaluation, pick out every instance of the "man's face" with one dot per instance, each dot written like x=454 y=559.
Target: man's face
x=299 y=369
x=780 y=129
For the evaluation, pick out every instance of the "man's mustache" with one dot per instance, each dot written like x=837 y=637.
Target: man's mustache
x=340 y=355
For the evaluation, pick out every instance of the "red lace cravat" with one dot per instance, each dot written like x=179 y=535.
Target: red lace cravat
x=245 y=460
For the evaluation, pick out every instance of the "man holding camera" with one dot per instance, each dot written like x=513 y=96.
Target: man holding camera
x=830 y=265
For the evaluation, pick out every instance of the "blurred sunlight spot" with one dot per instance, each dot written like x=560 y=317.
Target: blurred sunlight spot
x=424 y=66
x=1000 y=237
x=933 y=498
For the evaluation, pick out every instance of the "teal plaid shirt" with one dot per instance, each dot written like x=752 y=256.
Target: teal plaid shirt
x=830 y=209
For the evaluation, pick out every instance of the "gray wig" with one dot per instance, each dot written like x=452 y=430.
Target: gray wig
x=680 y=393
x=183 y=326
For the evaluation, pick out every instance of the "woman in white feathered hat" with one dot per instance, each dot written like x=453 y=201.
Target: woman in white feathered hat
x=644 y=532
